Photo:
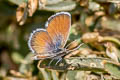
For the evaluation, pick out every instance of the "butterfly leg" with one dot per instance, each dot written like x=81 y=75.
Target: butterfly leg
x=59 y=60
x=51 y=61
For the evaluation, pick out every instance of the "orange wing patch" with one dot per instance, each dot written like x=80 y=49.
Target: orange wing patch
x=41 y=42
x=59 y=26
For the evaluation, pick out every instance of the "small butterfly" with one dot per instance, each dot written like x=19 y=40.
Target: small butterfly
x=50 y=42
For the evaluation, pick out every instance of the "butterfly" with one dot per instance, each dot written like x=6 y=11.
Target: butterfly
x=50 y=42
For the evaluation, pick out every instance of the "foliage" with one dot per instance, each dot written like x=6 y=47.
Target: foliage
x=94 y=23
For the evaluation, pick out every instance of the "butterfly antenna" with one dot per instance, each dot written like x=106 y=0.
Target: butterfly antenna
x=70 y=44
x=75 y=48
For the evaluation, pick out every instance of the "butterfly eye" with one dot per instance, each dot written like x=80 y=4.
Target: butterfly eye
x=57 y=50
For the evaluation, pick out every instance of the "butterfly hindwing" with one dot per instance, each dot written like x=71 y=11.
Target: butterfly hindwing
x=40 y=42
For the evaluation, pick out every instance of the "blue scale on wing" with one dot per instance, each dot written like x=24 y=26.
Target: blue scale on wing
x=57 y=41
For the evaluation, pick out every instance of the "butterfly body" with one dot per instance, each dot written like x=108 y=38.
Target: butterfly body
x=50 y=42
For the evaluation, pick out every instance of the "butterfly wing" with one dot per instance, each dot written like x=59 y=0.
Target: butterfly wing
x=45 y=43
x=58 y=27
x=41 y=43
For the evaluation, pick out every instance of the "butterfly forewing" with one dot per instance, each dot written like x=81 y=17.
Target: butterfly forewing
x=40 y=42
x=58 y=27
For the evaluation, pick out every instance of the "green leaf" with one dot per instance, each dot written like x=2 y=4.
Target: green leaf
x=113 y=69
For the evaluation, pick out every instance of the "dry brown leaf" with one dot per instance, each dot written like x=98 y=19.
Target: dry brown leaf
x=89 y=20
x=42 y=3
x=90 y=37
x=83 y=2
x=21 y=13
x=111 y=51
x=72 y=45
x=32 y=6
